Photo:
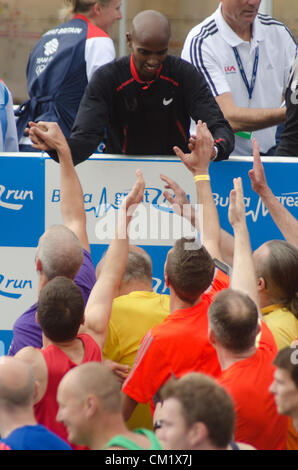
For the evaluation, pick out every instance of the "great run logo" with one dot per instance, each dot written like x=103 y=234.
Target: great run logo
x=13 y=288
x=153 y=219
x=288 y=200
x=13 y=199
x=98 y=204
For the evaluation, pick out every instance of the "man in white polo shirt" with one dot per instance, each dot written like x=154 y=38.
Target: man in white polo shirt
x=246 y=58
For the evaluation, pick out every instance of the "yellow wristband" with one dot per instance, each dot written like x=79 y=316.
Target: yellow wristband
x=202 y=178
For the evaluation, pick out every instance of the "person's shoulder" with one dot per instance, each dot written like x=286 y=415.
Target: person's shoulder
x=113 y=69
x=272 y=26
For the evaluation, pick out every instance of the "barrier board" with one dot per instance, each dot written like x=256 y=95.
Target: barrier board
x=30 y=202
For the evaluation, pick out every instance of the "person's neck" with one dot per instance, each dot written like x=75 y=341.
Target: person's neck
x=294 y=417
x=18 y=420
x=107 y=429
x=227 y=358
x=133 y=286
x=74 y=348
x=42 y=281
x=244 y=31
x=178 y=304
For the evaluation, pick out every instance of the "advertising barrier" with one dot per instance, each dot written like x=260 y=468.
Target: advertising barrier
x=30 y=203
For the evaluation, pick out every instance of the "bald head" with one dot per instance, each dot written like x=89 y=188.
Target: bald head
x=60 y=252
x=93 y=378
x=150 y=25
x=138 y=266
x=16 y=383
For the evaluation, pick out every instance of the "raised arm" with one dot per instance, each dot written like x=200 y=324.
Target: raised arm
x=98 y=308
x=198 y=162
x=49 y=134
x=243 y=274
x=284 y=220
x=249 y=119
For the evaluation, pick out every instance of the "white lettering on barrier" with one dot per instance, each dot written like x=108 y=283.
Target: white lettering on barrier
x=13 y=194
x=287 y=200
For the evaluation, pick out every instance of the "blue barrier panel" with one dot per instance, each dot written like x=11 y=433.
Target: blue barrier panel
x=21 y=200
x=281 y=177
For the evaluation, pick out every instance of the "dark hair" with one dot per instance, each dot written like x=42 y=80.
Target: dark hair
x=202 y=399
x=287 y=359
x=233 y=318
x=190 y=269
x=60 y=309
x=280 y=272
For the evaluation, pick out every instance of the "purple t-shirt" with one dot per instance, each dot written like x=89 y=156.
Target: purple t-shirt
x=27 y=332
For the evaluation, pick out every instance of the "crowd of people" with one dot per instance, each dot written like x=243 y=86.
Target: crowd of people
x=101 y=361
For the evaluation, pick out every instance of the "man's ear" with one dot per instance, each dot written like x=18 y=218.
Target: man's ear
x=211 y=337
x=96 y=9
x=128 y=39
x=261 y=284
x=38 y=265
x=197 y=434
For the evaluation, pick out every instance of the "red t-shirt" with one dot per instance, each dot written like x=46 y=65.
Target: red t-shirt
x=58 y=364
x=247 y=381
x=175 y=347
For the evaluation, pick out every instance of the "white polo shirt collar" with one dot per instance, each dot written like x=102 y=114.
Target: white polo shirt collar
x=231 y=37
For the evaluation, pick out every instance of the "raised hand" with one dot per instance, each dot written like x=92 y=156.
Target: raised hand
x=237 y=207
x=47 y=136
x=202 y=150
x=257 y=174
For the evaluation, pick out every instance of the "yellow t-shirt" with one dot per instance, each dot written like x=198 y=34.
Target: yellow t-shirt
x=282 y=323
x=284 y=327
x=132 y=316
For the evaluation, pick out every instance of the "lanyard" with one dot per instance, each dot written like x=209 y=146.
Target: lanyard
x=250 y=87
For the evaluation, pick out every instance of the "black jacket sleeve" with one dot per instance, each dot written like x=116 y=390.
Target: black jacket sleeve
x=202 y=105
x=88 y=130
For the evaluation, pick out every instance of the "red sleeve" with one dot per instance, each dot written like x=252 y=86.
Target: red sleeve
x=150 y=371
x=265 y=339
x=220 y=281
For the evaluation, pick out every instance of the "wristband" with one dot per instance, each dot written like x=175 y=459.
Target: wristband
x=201 y=178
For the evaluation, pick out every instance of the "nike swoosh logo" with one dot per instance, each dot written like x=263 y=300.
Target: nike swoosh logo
x=167 y=102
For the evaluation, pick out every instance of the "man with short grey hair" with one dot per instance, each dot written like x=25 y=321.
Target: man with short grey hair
x=18 y=427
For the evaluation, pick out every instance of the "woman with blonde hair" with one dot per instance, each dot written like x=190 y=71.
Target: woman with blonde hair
x=63 y=62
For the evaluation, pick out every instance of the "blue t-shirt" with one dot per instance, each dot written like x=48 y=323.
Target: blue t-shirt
x=33 y=438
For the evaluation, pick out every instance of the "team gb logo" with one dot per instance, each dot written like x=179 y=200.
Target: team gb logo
x=51 y=47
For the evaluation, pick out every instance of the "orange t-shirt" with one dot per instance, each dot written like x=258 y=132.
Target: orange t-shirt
x=175 y=347
x=247 y=381
x=292 y=442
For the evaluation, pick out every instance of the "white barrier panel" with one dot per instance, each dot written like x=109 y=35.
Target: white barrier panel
x=29 y=203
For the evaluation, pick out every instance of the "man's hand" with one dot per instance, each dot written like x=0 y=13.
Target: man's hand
x=202 y=150
x=257 y=174
x=120 y=370
x=179 y=199
x=47 y=136
x=237 y=206
x=135 y=196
